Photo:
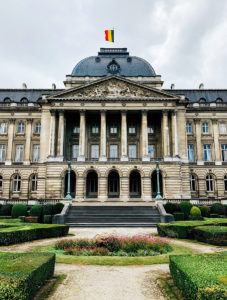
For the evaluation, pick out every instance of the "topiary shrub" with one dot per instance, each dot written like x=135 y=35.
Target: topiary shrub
x=205 y=211
x=6 y=209
x=195 y=213
x=58 y=208
x=178 y=216
x=47 y=219
x=169 y=207
x=19 y=210
x=225 y=209
x=48 y=209
x=37 y=211
x=217 y=208
x=177 y=207
x=185 y=207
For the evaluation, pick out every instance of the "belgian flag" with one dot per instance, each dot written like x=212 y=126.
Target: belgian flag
x=109 y=35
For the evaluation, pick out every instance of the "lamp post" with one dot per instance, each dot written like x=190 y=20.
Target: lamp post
x=68 y=196
x=158 y=195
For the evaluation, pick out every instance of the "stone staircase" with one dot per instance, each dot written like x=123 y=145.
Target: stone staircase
x=113 y=216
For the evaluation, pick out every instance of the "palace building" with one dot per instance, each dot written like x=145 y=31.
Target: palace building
x=113 y=121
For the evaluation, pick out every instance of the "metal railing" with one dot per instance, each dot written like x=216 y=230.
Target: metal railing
x=26 y=201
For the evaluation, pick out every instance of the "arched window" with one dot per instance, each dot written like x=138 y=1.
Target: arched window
x=37 y=127
x=34 y=183
x=225 y=183
x=92 y=184
x=209 y=183
x=113 y=185
x=20 y=127
x=193 y=183
x=16 y=183
x=219 y=100
x=1 y=183
x=7 y=100
x=135 y=184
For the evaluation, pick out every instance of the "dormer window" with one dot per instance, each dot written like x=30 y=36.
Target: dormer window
x=24 y=102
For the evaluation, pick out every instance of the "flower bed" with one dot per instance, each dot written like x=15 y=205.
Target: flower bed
x=215 y=235
x=138 y=245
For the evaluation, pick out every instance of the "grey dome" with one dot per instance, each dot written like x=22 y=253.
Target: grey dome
x=113 y=61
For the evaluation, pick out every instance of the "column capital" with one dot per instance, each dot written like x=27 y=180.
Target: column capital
x=174 y=112
x=82 y=111
x=123 y=111
x=61 y=112
x=214 y=121
x=52 y=111
x=12 y=121
x=144 y=112
x=29 y=121
x=103 y=111
x=165 y=112
x=197 y=121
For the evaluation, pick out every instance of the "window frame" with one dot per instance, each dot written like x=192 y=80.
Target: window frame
x=132 y=128
x=189 y=151
x=188 y=127
x=223 y=149
x=5 y=128
x=16 y=182
x=95 y=157
x=193 y=183
x=205 y=127
x=78 y=149
x=21 y=127
x=1 y=183
x=115 y=151
x=207 y=150
x=33 y=148
x=210 y=183
x=151 y=151
x=22 y=156
x=135 y=149
x=34 y=182
x=2 y=147
x=113 y=128
x=37 y=126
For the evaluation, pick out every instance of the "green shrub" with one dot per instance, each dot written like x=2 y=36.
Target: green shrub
x=197 y=275
x=185 y=207
x=6 y=209
x=37 y=211
x=19 y=210
x=214 y=216
x=195 y=213
x=217 y=208
x=177 y=207
x=22 y=218
x=215 y=235
x=169 y=207
x=47 y=219
x=58 y=208
x=205 y=211
x=225 y=209
x=178 y=216
x=31 y=270
x=48 y=209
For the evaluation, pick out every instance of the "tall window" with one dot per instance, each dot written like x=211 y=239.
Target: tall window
x=1 y=183
x=113 y=128
x=222 y=127
x=94 y=151
x=35 y=157
x=16 y=183
x=34 y=182
x=75 y=151
x=95 y=129
x=2 y=153
x=193 y=183
x=188 y=127
x=225 y=183
x=19 y=153
x=113 y=151
x=150 y=129
x=207 y=153
x=131 y=128
x=20 y=127
x=205 y=127
x=224 y=152
x=191 y=153
x=37 y=127
x=209 y=183
x=132 y=151
x=76 y=129
x=151 y=151
x=3 y=127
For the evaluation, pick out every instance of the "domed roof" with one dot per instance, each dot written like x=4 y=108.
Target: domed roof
x=113 y=61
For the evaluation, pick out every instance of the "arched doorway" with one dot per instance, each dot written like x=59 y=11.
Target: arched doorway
x=154 y=184
x=72 y=184
x=135 y=184
x=92 y=185
x=113 y=185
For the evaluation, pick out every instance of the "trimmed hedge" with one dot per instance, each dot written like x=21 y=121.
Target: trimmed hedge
x=200 y=276
x=6 y=209
x=215 y=235
x=169 y=207
x=178 y=216
x=185 y=207
x=37 y=211
x=48 y=209
x=205 y=211
x=19 y=210
x=58 y=208
x=47 y=219
x=22 y=274
x=217 y=208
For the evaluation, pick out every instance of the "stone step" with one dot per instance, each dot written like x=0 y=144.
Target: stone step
x=112 y=224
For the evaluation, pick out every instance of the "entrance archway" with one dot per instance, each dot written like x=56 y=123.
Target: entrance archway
x=154 y=184
x=135 y=184
x=92 y=185
x=72 y=184
x=113 y=185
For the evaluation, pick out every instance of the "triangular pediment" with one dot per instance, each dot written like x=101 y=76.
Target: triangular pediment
x=113 y=87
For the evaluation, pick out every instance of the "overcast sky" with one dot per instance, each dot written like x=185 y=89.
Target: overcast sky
x=184 y=40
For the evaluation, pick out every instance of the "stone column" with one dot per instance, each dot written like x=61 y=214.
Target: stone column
x=8 y=160
x=144 y=137
x=165 y=134
x=102 y=189
x=124 y=145
x=52 y=133
x=103 y=137
x=181 y=133
x=199 y=149
x=44 y=135
x=81 y=156
x=61 y=124
x=28 y=142
x=218 y=160
x=174 y=133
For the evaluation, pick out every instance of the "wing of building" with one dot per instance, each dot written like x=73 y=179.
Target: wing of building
x=113 y=121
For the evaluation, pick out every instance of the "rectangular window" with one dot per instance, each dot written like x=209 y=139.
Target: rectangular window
x=75 y=151
x=191 y=153
x=132 y=151
x=20 y=127
x=205 y=127
x=37 y=127
x=132 y=128
x=222 y=127
x=3 y=127
x=35 y=155
x=151 y=151
x=113 y=151
x=113 y=128
x=95 y=151
x=150 y=129
x=19 y=153
x=207 y=153
x=224 y=152
x=188 y=127
x=76 y=129
x=2 y=153
x=95 y=129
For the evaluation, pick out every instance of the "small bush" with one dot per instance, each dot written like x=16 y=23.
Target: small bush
x=19 y=210
x=195 y=213
x=58 y=208
x=185 y=207
x=37 y=211
x=178 y=216
x=48 y=209
x=47 y=219
x=169 y=207
x=177 y=207
x=217 y=208
x=205 y=211
x=6 y=209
